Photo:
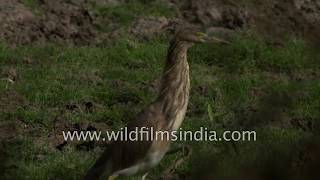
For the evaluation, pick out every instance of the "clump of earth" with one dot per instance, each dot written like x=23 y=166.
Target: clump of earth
x=57 y=20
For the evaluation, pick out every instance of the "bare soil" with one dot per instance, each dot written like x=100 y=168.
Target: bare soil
x=72 y=21
x=52 y=20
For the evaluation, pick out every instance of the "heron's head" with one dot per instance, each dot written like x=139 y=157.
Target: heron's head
x=194 y=36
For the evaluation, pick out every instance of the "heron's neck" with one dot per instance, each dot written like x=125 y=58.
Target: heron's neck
x=174 y=90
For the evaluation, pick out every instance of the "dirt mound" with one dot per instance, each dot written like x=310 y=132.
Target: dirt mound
x=48 y=20
x=219 y=13
x=279 y=18
x=72 y=21
x=273 y=18
x=149 y=26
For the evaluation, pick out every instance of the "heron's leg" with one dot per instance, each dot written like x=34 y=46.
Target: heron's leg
x=144 y=177
x=113 y=177
x=186 y=153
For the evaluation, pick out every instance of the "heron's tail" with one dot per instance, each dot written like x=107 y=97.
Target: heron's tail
x=102 y=169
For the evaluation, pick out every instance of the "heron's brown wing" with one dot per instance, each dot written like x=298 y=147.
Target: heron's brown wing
x=128 y=153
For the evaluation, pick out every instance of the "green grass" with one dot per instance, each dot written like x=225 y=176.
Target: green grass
x=33 y=5
x=250 y=84
x=125 y=14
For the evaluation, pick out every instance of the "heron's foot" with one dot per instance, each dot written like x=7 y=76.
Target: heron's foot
x=113 y=177
x=144 y=177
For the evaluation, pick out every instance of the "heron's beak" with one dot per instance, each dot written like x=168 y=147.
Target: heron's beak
x=213 y=39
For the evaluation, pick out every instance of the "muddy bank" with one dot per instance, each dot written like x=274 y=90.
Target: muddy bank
x=274 y=19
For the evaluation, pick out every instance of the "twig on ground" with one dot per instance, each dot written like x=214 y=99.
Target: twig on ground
x=7 y=79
